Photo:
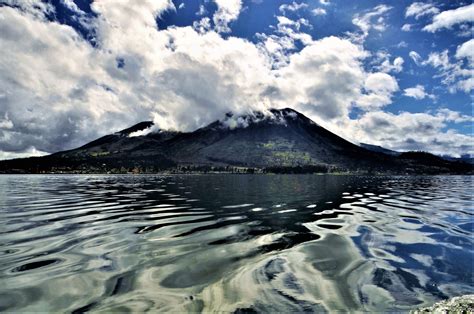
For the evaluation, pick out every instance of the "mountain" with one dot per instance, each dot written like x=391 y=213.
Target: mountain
x=280 y=140
x=379 y=149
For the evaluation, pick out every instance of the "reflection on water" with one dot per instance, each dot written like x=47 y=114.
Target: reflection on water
x=233 y=242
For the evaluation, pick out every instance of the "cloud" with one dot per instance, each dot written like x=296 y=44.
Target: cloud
x=181 y=77
x=365 y=21
x=319 y=11
x=227 y=12
x=407 y=27
x=448 y=19
x=413 y=131
x=36 y=8
x=325 y=2
x=415 y=57
x=454 y=75
x=284 y=40
x=293 y=7
x=380 y=87
x=384 y=64
x=29 y=152
x=417 y=92
x=419 y=9
x=466 y=50
x=202 y=10
x=438 y=60
x=72 y=6
x=323 y=79
x=203 y=25
x=6 y=123
x=402 y=44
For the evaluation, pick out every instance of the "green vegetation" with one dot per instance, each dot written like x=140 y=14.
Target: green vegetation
x=99 y=154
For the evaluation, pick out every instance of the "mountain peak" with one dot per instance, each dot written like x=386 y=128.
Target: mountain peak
x=136 y=128
x=270 y=116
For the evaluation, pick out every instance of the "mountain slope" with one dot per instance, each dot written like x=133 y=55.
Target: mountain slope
x=283 y=138
x=379 y=149
x=278 y=140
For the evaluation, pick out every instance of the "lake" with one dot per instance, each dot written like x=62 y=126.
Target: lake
x=237 y=243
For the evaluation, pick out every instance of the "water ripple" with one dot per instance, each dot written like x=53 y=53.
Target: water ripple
x=233 y=243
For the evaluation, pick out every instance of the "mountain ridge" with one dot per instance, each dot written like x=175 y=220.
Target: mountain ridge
x=280 y=140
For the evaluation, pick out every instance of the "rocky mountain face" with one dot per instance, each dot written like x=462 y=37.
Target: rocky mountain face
x=282 y=140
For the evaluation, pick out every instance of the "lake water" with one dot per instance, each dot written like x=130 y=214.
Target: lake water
x=238 y=243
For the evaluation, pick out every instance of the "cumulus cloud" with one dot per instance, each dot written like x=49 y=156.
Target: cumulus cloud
x=415 y=57
x=227 y=11
x=417 y=92
x=419 y=9
x=414 y=131
x=292 y=7
x=71 y=5
x=319 y=11
x=466 y=50
x=181 y=77
x=382 y=59
x=438 y=59
x=373 y=19
x=454 y=75
x=35 y=8
x=29 y=152
x=380 y=87
x=407 y=27
x=322 y=79
x=284 y=40
x=448 y=19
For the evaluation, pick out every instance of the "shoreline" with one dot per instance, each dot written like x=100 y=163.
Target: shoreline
x=237 y=173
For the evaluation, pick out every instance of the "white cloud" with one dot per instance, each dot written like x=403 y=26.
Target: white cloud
x=380 y=87
x=365 y=21
x=380 y=82
x=29 y=152
x=202 y=10
x=438 y=59
x=182 y=77
x=466 y=85
x=322 y=80
x=454 y=75
x=280 y=44
x=417 y=92
x=402 y=44
x=71 y=5
x=35 y=8
x=397 y=65
x=407 y=27
x=448 y=19
x=319 y=11
x=415 y=57
x=325 y=2
x=227 y=12
x=419 y=9
x=6 y=123
x=292 y=7
x=203 y=25
x=181 y=6
x=412 y=131
x=386 y=66
x=466 y=50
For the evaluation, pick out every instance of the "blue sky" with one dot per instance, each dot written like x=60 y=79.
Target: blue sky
x=391 y=73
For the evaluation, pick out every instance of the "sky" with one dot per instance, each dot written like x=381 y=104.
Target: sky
x=393 y=73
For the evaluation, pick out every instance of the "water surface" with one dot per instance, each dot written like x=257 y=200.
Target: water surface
x=233 y=242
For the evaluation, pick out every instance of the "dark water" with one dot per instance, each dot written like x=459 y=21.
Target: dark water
x=233 y=242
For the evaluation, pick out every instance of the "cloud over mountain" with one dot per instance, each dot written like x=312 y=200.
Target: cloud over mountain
x=59 y=90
